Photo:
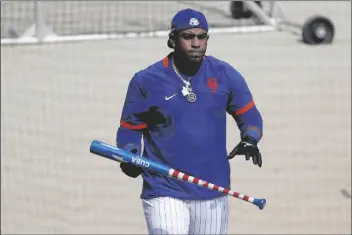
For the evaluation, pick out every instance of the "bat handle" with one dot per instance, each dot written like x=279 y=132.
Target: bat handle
x=260 y=202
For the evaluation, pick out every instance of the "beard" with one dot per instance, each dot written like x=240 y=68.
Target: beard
x=189 y=62
x=195 y=56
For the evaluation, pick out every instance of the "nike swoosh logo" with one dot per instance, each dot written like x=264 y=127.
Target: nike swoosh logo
x=169 y=97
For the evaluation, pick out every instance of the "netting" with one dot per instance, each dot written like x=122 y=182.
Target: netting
x=108 y=17
x=57 y=98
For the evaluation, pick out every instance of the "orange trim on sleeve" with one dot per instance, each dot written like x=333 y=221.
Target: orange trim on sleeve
x=166 y=62
x=133 y=127
x=245 y=108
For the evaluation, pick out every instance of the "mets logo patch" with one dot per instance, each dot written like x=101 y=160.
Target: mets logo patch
x=193 y=22
x=212 y=84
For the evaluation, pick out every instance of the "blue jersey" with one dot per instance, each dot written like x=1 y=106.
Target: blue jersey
x=189 y=137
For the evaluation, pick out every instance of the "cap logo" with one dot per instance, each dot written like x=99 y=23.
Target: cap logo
x=193 y=22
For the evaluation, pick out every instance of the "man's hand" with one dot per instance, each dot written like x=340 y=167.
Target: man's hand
x=247 y=147
x=128 y=168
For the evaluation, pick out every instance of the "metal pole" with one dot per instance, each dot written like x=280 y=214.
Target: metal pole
x=258 y=11
x=39 y=23
x=272 y=7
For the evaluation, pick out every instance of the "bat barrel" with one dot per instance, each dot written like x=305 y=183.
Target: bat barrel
x=106 y=151
x=120 y=155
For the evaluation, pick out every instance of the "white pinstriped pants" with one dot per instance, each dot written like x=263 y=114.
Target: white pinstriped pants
x=166 y=215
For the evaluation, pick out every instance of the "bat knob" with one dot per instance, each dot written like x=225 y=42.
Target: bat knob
x=260 y=203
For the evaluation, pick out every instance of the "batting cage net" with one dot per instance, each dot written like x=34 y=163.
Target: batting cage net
x=56 y=98
x=87 y=20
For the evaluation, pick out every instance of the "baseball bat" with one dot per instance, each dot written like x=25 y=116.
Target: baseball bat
x=120 y=155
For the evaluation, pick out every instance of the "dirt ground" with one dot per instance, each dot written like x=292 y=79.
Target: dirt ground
x=57 y=98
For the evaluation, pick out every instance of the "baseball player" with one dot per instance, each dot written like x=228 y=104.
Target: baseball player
x=175 y=113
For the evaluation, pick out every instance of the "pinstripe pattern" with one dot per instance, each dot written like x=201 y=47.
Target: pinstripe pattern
x=165 y=215
x=209 y=216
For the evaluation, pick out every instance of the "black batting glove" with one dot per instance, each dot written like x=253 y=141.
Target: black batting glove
x=248 y=147
x=128 y=168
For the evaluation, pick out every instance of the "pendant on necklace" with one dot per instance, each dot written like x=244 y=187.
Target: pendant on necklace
x=191 y=97
x=185 y=91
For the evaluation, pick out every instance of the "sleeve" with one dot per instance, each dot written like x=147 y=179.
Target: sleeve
x=242 y=107
x=130 y=132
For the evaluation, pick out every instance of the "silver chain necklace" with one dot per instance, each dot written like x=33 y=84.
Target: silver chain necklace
x=187 y=86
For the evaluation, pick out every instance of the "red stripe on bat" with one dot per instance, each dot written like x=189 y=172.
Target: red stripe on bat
x=175 y=174
x=226 y=190
x=206 y=184
x=196 y=180
x=216 y=187
x=236 y=194
x=185 y=177
x=245 y=198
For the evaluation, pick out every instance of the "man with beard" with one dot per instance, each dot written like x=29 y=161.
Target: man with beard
x=175 y=114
